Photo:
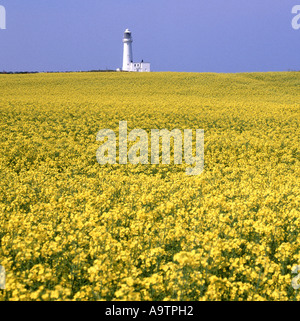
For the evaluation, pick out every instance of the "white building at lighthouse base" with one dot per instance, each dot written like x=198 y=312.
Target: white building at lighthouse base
x=140 y=66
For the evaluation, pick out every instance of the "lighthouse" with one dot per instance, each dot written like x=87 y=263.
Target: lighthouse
x=128 y=64
x=127 y=50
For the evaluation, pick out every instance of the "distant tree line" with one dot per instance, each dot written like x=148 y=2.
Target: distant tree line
x=36 y=72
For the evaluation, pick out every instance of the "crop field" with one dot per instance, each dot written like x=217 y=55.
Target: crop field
x=72 y=229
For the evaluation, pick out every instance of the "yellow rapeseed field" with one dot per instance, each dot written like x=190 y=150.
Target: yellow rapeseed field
x=72 y=229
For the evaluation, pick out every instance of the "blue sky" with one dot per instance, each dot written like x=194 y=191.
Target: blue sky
x=174 y=35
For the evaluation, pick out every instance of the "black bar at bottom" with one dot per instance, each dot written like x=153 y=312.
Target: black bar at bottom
x=146 y=310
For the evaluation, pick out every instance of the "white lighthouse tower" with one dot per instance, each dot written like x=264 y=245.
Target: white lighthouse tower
x=128 y=64
x=127 y=50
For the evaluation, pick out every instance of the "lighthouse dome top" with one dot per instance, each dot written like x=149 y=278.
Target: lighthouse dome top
x=127 y=36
